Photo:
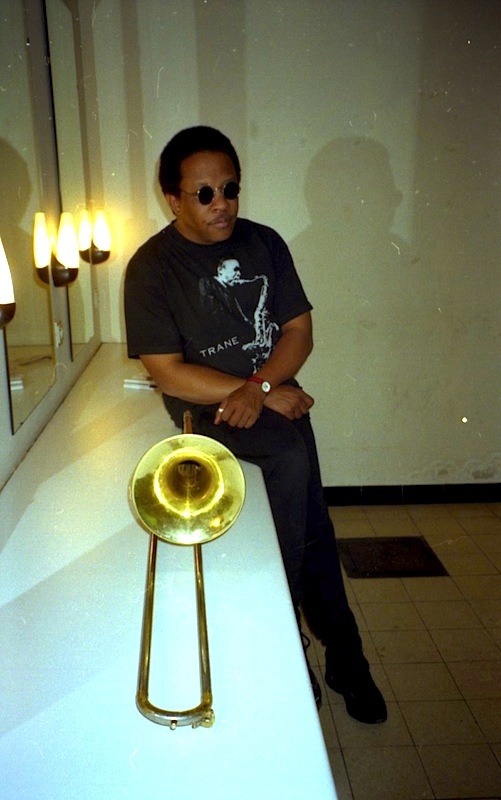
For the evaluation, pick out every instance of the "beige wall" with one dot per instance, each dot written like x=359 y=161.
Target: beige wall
x=367 y=135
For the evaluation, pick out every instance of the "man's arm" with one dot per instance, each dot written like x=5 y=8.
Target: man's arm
x=243 y=406
x=191 y=382
x=290 y=352
x=240 y=401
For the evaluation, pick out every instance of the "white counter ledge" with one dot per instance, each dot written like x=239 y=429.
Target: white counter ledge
x=72 y=572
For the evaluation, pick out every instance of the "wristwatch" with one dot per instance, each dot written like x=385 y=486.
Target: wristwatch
x=265 y=386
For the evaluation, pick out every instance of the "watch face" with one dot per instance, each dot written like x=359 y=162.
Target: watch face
x=266 y=387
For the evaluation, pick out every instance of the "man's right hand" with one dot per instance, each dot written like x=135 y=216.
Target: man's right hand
x=242 y=408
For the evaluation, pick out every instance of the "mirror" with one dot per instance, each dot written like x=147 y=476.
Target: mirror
x=29 y=341
x=67 y=83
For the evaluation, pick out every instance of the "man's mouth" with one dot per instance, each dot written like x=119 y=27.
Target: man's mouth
x=222 y=221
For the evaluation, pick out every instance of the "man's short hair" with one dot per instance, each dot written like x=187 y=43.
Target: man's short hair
x=184 y=144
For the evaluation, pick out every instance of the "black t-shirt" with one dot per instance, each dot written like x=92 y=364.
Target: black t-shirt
x=220 y=305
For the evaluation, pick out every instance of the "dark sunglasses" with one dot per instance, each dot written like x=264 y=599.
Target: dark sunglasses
x=205 y=194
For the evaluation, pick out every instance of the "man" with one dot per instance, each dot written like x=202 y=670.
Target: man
x=234 y=368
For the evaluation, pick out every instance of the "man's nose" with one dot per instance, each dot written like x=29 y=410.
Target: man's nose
x=219 y=200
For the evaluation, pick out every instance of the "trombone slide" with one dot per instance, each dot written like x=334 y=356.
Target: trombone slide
x=202 y=714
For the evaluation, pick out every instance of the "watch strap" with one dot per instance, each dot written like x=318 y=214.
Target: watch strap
x=261 y=381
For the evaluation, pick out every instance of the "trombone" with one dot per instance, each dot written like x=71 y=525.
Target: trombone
x=185 y=490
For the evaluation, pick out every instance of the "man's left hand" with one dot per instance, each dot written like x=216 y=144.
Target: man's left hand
x=290 y=401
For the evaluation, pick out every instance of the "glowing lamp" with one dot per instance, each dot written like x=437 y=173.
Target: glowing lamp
x=65 y=263
x=7 y=301
x=94 y=239
x=41 y=247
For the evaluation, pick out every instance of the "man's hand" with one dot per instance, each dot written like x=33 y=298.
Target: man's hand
x=242 y=408
x=290 y=401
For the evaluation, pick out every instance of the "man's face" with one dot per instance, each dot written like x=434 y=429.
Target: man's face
x=229 y=271
x=214 y=222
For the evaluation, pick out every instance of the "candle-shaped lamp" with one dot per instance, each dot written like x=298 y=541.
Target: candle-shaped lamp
x=94 y=238
x=7 y=301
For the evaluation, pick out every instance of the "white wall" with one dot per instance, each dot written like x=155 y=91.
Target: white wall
x=367 y=135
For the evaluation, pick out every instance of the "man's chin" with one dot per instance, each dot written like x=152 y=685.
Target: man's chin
x=207 y=234
x=221 y=232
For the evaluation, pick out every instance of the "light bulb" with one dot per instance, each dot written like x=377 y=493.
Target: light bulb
x=6 y=286
x=41 y=242
x=101 y=233
x=67 y=242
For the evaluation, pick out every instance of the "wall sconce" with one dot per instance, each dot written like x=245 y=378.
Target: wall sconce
x=94 y=240
x=64 y=263
x=7 y=302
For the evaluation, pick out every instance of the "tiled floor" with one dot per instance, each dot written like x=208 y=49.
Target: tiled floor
x=435 y=650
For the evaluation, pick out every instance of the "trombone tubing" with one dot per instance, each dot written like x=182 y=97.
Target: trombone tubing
x=202 y=714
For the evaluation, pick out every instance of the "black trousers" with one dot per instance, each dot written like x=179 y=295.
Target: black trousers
x=287 y=454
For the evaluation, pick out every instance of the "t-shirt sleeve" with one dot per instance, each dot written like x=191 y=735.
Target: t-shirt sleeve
x=149 y=323
x=289 y=297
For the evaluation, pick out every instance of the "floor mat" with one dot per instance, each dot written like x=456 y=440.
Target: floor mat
x=389 y=557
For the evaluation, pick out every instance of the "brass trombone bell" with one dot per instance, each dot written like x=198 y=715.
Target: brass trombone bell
x=185 y=490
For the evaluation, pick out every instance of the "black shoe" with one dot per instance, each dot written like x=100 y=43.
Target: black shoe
x=364 y=702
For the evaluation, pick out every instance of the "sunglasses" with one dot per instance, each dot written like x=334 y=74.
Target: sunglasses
x=205 y=194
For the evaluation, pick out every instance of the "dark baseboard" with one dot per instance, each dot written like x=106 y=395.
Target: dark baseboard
x=408 y=495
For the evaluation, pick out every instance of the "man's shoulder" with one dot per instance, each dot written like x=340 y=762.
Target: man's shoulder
x=157 y=243
x=250 y=232
x=247 y=227
x=152 y=251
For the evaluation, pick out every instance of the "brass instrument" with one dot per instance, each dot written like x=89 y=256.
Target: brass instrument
x=185 y=490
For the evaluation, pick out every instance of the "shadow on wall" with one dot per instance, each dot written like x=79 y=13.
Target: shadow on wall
x=356 y=270
x=361 y=279
x=349 y=253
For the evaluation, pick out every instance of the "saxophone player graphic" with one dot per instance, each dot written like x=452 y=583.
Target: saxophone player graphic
x=225 y=288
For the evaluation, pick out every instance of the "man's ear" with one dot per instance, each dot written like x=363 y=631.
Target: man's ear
x=174 y=203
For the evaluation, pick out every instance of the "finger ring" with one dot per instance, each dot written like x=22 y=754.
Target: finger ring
x=220 y=410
